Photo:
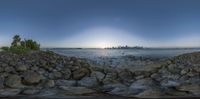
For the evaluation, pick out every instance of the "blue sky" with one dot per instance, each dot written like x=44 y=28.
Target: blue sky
x=102 y=23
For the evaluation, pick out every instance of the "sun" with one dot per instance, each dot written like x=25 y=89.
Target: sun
x=103 y=44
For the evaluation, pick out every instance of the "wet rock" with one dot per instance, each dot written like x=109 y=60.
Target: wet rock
x=13 y=81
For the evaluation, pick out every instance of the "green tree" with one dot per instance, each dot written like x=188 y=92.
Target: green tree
x=33 y=45
x=16 y=40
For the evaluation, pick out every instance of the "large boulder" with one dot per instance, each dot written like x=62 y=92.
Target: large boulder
x=49 y=83
x=80 y=73
x=32 y=78
x=13 y=81
x=141 y=85
x=55 y=75
x=88 y=82
x=66 y=73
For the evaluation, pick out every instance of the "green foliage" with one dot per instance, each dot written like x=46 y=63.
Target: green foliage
x=49 y=52
x=18 y=46
x=5 y=48
x=19 y=49
x=16 y=40
x=33 y=45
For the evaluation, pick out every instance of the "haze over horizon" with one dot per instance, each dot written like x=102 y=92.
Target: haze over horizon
x=102 y=23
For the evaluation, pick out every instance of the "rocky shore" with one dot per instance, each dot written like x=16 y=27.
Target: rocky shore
x=46 y=74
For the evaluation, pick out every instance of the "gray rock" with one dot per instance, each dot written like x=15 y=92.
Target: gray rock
x=1 y=69
x=13 y=81
x=122 y=91
x=21 y=68
x=1 y=82
x=49 y=84
x=88 y=82
x=9 y=69
x=66 y=73
x=110 y=87
x=65 y=82
x=9 y=92
x=98 y=75
x=170 y=83
x=141 y=85
x=139 y=77
x=77 y=90
x=151 y=93
x=30 y=91
x=32 y=78
x=193 y=88
x=80 y=73
x=184 y=71
x=55 y=75
x=125 y=75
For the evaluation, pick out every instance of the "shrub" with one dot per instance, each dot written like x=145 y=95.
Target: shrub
x=5 y=48
x=19 y=49
x=49 y=52
x=18 y=46
x=33 y=45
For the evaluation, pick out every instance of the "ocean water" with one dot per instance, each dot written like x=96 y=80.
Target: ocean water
x=99 y=53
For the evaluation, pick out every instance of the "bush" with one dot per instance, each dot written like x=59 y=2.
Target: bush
x=5 y=48
x=18 y=46
x=33 y=45
x=19 y=49
x=49 y=52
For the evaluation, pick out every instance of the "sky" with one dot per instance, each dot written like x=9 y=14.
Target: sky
x=102 y=23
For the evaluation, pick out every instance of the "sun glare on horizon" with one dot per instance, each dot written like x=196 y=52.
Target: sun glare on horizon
x=101 y=37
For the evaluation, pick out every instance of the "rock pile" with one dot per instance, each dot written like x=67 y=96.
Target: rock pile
x=33 y=72
x=49 y=74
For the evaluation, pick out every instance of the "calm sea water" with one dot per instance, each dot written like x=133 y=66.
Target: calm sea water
x=95 y=53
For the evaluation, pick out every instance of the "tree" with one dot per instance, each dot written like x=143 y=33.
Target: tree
x=33 y=45
x=16 y=41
